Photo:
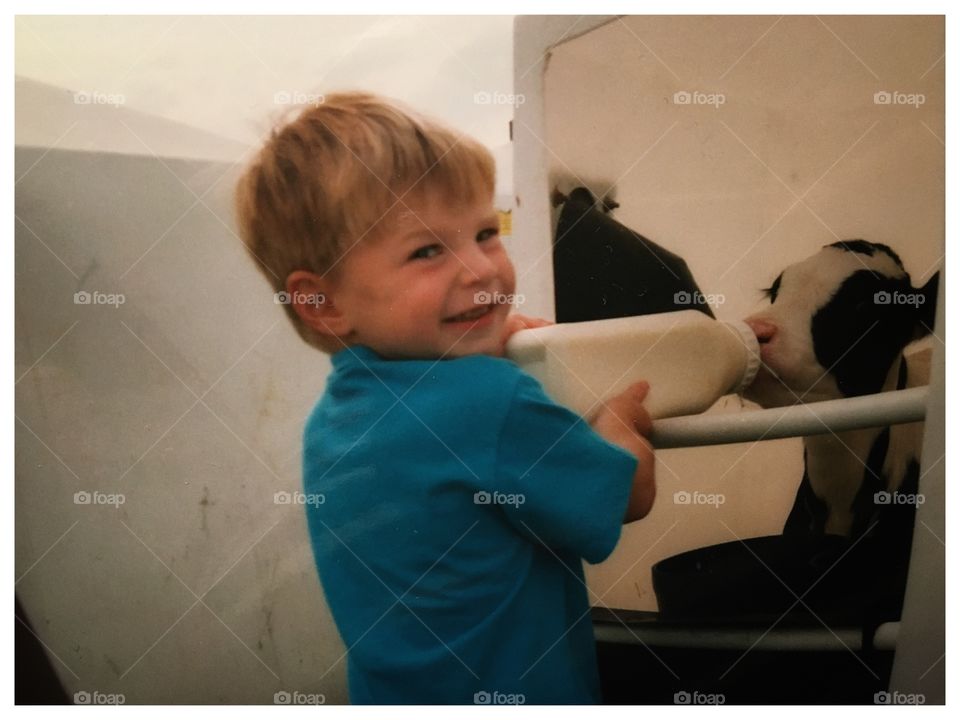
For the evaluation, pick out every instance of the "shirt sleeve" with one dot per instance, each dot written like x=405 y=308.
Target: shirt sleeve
x=561 y=483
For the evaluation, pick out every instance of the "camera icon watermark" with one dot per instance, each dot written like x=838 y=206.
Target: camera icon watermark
x=297 y=97
x=282 y=497
x=498 y=298
x=884 y=297
x=683 y=497
x=885 y=97
x=299 y=298
x=97 y=497
x=83 y=297
x=683 y=297
x=95 y=697
x=95 y=97
x=484 y=97
x=696 y=97
x=896 y=697
x=495 y=697
x=685 y=697
x=898 y=498
x=286 y=697
x=498 y=498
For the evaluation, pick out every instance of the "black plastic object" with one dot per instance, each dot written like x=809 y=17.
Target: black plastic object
x=764 y=577
x=603 y=269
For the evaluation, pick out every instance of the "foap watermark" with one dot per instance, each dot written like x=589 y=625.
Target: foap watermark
x=685 y=697
x=898 y=498
x=495 y=697
x=96 y=497
x=282 y=497
x=697 y=97
x=895 y=97
x=498 y=498
x=898 y=698
x=95 y=697
x=696 y=297
x=682 y=497
x=484 y=97
x=95 y=97
x=82 y=297
x=299 y=298
x=884 y=297
x=498 y=298
x=287 y=697
x=298 y=97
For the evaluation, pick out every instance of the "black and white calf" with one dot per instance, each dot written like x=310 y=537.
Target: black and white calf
x=837 y=326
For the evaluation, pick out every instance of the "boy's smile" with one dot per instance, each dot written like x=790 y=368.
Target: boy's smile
x=436 y=282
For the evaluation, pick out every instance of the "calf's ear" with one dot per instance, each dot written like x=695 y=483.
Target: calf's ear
x=927 y=309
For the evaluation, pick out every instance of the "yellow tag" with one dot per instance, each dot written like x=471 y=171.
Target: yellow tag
x=506 y=222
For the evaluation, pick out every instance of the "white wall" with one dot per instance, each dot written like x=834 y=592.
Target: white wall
x=188 y=399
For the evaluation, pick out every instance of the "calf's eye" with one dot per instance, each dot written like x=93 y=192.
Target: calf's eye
x=772 y=291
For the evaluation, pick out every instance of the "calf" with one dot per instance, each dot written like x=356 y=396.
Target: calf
x=836 y=327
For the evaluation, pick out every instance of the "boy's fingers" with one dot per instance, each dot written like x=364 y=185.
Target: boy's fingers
x=640 y=389
x=532 y=322
x=637 y=413
x=643 y=423
x=630 y=397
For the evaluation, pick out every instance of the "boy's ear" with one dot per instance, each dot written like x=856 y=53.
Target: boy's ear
x=311 y=297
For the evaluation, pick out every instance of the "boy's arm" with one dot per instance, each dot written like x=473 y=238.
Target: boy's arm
x=572 y=486
x=624 y=421
x=621 y=420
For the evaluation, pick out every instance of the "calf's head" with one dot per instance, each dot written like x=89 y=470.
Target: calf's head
x=836 y=323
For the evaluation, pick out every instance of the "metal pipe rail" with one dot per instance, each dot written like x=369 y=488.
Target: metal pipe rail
x=881 y=409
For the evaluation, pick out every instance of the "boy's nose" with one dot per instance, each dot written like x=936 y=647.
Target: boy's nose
x=477 y=266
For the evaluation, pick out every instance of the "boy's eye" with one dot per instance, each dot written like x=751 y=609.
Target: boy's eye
x=426 y=252
x=487 y=233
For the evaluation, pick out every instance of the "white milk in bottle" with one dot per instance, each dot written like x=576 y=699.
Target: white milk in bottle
x=689 y=359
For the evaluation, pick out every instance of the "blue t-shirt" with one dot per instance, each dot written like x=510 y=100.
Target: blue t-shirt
x=449 y=505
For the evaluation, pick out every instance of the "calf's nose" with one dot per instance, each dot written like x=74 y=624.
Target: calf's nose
x=763 y=329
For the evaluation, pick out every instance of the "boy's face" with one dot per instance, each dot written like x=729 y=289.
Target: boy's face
x=401 y=293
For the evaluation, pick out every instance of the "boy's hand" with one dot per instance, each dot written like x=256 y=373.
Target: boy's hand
x=624 y=421
x=515 y=322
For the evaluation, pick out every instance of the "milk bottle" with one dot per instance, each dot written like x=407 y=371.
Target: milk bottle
x=689 y=359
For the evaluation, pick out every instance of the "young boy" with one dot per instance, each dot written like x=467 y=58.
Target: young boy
x=458 y=499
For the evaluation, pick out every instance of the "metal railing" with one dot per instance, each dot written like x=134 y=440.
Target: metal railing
x=881 y=409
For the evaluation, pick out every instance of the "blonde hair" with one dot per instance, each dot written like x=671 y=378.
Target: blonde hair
x=323 y=181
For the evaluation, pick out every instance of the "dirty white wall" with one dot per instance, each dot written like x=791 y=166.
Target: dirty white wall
x=782 y=149
x=188 y=399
